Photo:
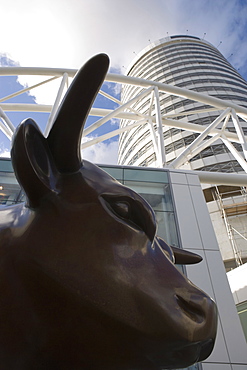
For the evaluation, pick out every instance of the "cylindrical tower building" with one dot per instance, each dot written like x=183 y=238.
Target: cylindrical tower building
x=194 y=64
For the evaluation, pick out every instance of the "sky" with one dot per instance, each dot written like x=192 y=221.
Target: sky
x=65 y=33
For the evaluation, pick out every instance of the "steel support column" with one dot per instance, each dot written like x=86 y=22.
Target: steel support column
x=161 y=144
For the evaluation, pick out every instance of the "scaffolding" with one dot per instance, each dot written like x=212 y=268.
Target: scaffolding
x=231 y=209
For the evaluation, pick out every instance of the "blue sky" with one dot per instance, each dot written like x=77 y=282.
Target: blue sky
x=65 y=33
x=11 y=84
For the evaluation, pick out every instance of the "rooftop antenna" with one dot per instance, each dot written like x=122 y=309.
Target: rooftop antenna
x=187 y=32
x=230 y=56
x=219 y=44
x=204 y=35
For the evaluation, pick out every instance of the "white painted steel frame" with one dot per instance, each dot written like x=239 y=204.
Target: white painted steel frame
x=125 y=111
x=188 y=151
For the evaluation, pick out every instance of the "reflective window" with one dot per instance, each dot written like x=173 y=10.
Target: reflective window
x=149 y=160
x=158 y=195
x=145 y=175
x=193 y=367
x=153 y=185
x=242 y=312
x=167 y=228
x=155 y=188
x=115 y=172
x=10 y=191
x=6 y=165
x=228 y=167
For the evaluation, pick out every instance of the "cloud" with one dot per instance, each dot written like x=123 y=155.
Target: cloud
x=4 y=153
x=45 y=93
x=223 y=23
x=65 y=33
x=101 y=153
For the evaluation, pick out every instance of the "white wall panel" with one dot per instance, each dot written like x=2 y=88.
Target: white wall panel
x=204 y=222
x=188 y=224
x=197 y=234
x=199 y=275
x=232 y=328
x=238 y=283
x=213 y=366
x=193 y=179
x=178 y=178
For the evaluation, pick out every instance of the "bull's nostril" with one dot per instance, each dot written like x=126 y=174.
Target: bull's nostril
x=191 y=309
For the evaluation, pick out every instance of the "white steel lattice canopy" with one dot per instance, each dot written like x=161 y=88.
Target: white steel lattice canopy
x=153 y=91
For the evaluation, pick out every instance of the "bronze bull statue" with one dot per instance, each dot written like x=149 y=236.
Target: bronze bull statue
x=85 y=282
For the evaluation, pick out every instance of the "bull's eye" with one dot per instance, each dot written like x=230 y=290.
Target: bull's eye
x=123 y=209
x=126 y=209
x=131 y=210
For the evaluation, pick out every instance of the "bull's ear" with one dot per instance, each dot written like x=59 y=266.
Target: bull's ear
x=32 y=162
x=183 y=257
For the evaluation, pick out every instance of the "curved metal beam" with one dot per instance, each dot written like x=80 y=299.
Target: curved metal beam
x=178 y=91
x=133 y=114
x=117 y=78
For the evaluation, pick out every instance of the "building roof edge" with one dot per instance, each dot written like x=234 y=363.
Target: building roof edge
x=165 y=40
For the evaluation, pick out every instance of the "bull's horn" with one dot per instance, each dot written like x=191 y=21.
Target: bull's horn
x=65 y=135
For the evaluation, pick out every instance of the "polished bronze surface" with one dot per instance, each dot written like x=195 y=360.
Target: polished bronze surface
x=85 y=282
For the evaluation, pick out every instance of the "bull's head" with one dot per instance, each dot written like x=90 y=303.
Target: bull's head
x=122 y=302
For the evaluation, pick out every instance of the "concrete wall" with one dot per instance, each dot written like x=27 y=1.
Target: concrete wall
x=197 y=234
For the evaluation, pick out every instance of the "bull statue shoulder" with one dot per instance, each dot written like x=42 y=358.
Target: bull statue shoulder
x=85 y=282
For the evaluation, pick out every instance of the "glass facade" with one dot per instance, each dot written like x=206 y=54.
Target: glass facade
x=152 y=184
x=10 y=192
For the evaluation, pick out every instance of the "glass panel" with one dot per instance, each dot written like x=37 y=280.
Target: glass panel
x=22 y=197
x=9 y=194
x=117 y=173
x=4 y=199
x=193 y=367
x=151 y=184
x=167 y=228
x=145 y=175
x=6 y=165
x=242 y=311
x=7 y=178
x=156 y=194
